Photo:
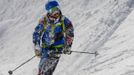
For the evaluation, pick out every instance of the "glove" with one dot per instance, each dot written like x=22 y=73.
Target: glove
x=37 y=53
x=37 y=50
x=67 y=50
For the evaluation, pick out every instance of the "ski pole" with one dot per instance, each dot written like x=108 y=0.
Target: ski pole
x=11 y=71
x=95 y=53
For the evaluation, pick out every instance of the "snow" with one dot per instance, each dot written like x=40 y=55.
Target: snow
x=105 y=26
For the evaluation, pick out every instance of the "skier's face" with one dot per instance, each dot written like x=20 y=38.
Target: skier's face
x=54 y=15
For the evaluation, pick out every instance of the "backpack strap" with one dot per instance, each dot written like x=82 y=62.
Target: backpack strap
x=63 y=26
x=44 y=27
x=45 y=23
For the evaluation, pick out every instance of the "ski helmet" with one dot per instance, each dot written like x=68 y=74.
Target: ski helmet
x=51 y=6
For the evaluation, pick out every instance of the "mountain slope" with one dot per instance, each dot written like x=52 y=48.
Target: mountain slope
x=95 y=23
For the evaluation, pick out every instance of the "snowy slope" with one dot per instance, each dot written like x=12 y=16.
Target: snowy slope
x=105 y=26
x=117 y=54
x=17 y=21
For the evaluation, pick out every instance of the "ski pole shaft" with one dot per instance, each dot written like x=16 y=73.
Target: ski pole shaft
x=82 y=52
x=24 y=63
x=11 y=71
x=95 y=53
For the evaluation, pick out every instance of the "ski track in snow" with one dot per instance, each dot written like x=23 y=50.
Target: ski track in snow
x=99 y=26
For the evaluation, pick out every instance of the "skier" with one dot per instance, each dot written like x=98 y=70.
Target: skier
x=54 y=34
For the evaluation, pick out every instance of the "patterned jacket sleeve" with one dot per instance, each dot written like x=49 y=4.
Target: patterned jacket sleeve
x=38 y=32
x=69 y=32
